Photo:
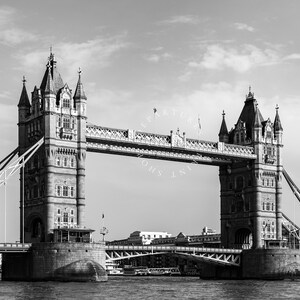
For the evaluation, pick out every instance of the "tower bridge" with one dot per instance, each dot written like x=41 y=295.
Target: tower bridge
x=52 y=182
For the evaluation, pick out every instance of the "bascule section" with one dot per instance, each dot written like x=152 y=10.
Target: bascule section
x=52 y=183
x=251 y=191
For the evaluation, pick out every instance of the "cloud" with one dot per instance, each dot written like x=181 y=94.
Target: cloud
x=182 y=19
x=155 y=58
x=10 y=33
x=244 y=27
x=71 y=56
x=292 y=56
x=240 y=59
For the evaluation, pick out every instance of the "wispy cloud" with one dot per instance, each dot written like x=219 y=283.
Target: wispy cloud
x=240 y=59
x=292 y=56
x=182 y=19
x=95 y=52
x=157 y=57
x=10 y=33
x=243 y=26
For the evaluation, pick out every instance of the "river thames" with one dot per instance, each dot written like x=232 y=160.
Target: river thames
x=152 y=288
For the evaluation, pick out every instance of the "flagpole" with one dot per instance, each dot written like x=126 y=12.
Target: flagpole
x=199 y=126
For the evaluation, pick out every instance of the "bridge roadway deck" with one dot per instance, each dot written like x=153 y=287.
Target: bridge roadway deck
x=173 y=147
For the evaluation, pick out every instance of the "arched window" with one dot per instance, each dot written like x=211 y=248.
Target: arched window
x=58 y=160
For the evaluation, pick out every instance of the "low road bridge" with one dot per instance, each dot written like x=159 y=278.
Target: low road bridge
x=220 y=256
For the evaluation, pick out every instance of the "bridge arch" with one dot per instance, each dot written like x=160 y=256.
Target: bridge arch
x=36 y=228
x=244 y=238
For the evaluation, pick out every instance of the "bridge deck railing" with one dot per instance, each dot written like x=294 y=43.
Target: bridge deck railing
x=172 y=248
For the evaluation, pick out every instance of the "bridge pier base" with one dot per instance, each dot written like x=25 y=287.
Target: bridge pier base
x=271 y=264
x=57 y=262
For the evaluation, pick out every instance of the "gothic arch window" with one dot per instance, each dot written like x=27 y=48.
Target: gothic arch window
x=268 y=206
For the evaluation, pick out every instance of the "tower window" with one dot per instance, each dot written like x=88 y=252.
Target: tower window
x=72 y=212
x=65 y=161
x=72 y=192
x=66 y=218
x=72 y=162
x=65 y=191
x=58 y=211
x=58 y=160
x=66 y=102
x=66 y=123
x=58 y=190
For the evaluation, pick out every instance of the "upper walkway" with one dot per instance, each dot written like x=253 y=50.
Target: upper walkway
x=174 y=147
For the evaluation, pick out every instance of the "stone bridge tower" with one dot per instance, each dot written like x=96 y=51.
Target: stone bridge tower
x=54 y=178
x=251 y=192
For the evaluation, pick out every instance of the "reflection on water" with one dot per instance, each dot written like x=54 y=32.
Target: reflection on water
x=152 y=288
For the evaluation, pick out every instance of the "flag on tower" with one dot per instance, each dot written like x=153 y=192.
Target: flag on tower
x=199 y=123
x=154 y=110
x=102 y=216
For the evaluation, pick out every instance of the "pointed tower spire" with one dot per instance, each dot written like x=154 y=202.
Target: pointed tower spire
x=223 y=134
x=79 y=92
x=257 y=119
x=277 y=122
x=24 y=100
x=49 y=87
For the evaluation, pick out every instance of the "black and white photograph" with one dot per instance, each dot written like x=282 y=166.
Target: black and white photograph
x=149 y=149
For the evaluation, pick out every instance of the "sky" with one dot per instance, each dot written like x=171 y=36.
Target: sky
x=188 y=59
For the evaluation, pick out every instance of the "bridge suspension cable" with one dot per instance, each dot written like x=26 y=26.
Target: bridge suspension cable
x=291 y=183
x=5 y=161
x=10 y=168
x=7 y=171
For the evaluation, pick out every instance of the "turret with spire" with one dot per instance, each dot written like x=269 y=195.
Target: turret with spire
x=223 y=133
x=24 y=104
